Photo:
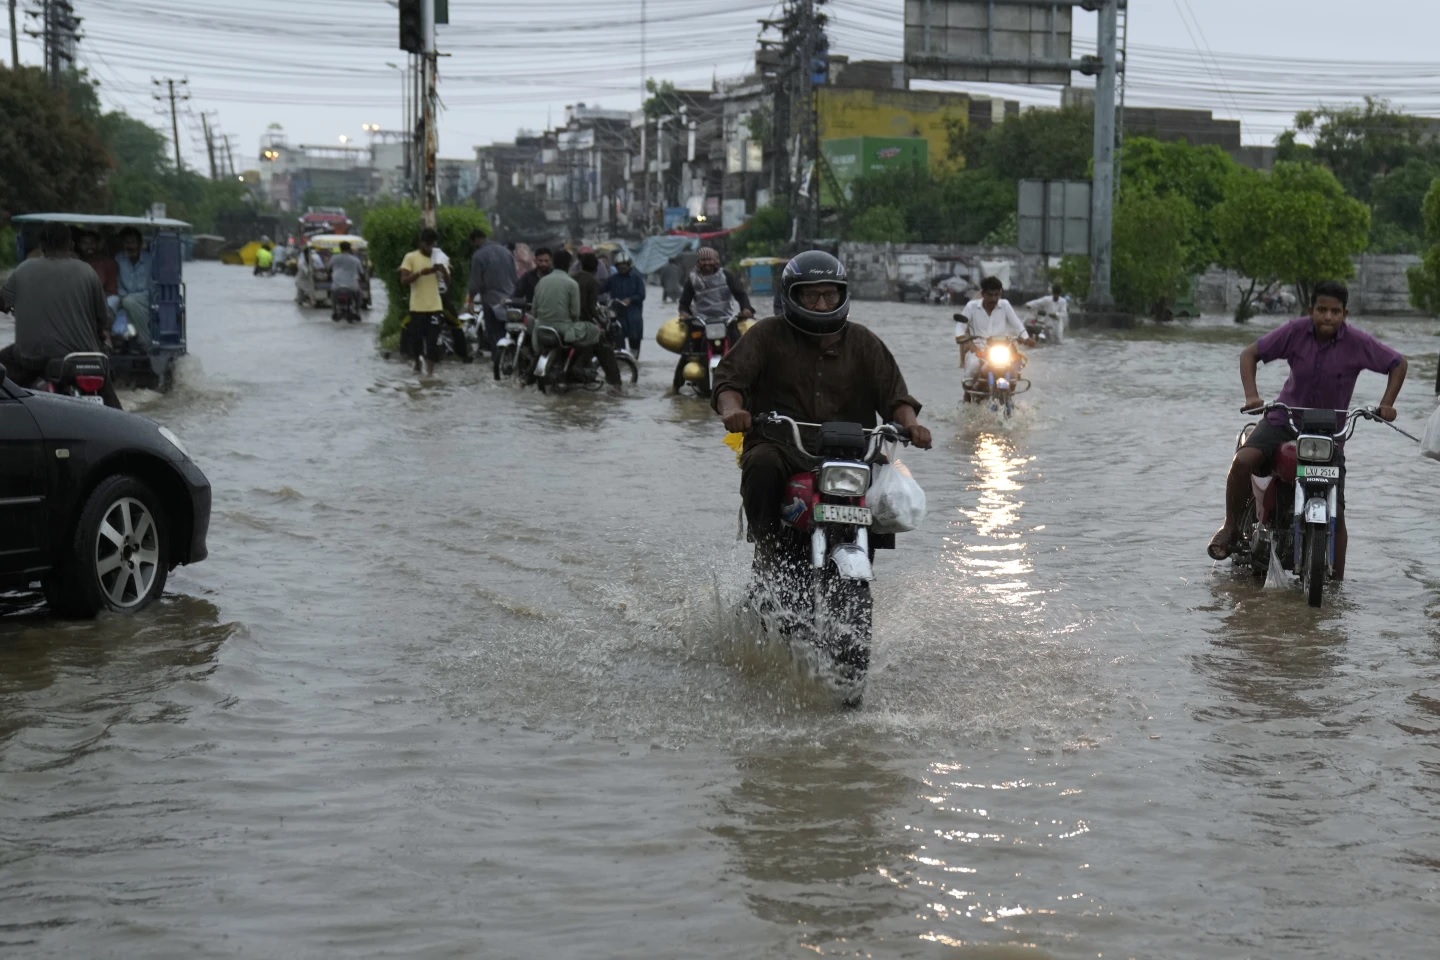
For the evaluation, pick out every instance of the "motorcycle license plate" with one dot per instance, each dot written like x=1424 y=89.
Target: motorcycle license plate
x=1318 y=473
x=834 y=513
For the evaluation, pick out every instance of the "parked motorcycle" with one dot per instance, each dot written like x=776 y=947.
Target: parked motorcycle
x=825 y=553
x=1291 y=514
x=345 y=305
x=999 y=381
x=79 y=375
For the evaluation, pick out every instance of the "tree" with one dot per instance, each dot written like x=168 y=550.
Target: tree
x=1148 y=257
x=1397 y=225
x=1200 y=175
x=883 y=224
x=765 y=234
x=53 y=154
x=1036 y=145
x=1424 y=278
x=1149 y=252
x=960 y=207
x=1359 y=145
x=1293 y=225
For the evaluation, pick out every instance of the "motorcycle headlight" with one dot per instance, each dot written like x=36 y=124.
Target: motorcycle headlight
x=844 y=479
x=1320 y=449
x=169 y=434
x=999 y=355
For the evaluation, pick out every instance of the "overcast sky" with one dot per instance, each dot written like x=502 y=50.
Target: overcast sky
x=319 y=67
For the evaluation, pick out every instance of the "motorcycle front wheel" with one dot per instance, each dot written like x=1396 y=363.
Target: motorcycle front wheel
x=629 y=369
x=844 y=621
x=1315 y=553
x=504 y=364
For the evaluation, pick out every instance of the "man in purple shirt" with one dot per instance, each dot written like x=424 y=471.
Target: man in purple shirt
x=1326 y=356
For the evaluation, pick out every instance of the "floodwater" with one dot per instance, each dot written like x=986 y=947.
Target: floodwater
x=459 y=680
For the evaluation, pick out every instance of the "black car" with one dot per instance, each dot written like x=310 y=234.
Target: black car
x=97 y=504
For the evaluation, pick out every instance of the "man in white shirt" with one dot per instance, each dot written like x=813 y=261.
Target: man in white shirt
x=1054 y=310
x=990 y=316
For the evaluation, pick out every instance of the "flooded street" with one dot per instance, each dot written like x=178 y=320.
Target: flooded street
x=459 y=680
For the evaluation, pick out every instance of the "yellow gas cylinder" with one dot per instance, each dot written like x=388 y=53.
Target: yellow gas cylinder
x=693 y=371
x=671 y=336
x=744 y=326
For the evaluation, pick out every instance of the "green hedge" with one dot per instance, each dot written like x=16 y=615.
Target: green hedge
x=393 y=232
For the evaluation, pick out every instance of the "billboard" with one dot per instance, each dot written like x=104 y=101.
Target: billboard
x=853 y=157
x=931 y=115
x=1053 y=217
x=995 y=41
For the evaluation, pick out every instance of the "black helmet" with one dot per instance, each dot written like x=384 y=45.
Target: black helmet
x=811 y=267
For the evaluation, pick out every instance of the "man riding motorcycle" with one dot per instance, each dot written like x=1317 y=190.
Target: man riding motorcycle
x=1326 y=356
x=627 y=292
x=990 y=316
x=345 y=272
x=59 y=308
x=710 y=291
x=812 y=364
x=559 y=305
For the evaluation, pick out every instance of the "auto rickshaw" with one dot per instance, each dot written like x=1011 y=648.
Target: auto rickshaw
x=131 y=365
x=312 y=283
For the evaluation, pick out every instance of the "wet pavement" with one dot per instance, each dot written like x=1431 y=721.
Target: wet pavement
x=459 y=680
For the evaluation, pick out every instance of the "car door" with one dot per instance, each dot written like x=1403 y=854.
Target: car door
x=22 y=488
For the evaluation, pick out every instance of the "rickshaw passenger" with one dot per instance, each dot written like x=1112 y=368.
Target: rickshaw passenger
x=134 y=265
x=91 y=250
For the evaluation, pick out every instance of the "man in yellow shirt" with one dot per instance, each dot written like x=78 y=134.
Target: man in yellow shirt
x=427 y=312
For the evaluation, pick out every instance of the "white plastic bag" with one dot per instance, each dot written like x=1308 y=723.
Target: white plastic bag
x=1430 y=441
x=897 y=504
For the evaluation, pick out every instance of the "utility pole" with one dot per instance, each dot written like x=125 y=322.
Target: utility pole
x=169 y=83
x=14 y=39
x=209 y=145
x=1103 y=195
x=229 y=156
x=432 y=138
x=59 y=32
x=808 y=127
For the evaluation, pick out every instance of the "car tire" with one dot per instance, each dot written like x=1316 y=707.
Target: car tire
x=118 y=557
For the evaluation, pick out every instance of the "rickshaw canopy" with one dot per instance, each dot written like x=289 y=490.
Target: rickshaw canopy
x=101 y=220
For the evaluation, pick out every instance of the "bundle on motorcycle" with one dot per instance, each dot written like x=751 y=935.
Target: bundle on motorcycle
x=1291 y=515
x=133 y=362
x=813 y=578
x=999 y=381
x=701 y=344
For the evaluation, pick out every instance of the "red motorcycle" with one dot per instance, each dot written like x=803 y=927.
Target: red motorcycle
x=826 y=551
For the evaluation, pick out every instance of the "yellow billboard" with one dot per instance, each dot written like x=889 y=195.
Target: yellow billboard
x=929 y=114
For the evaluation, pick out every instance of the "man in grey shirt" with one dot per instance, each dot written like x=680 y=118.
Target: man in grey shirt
x=492 y=282
x=345 y=270
x=59 y=308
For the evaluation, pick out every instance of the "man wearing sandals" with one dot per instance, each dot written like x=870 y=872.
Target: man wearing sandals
x=1326 y=356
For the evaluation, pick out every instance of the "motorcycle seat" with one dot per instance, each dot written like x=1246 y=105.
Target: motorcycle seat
x=548 y=338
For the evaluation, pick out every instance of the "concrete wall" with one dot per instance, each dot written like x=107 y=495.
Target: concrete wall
x=1378 y=288
x=875 y=270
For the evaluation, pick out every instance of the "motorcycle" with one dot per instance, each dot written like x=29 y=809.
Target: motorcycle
x=1043 y=329
x=79 y=375
x=706 y=343
x=558 y=367
x=999 y=381
x=512 y=356
x=1291 y=514
x=345 y=305
x=824 y=551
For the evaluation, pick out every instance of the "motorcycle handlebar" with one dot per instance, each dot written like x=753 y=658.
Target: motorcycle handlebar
x=886 y=431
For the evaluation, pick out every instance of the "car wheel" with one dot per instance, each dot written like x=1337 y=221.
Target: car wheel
x=119 y=556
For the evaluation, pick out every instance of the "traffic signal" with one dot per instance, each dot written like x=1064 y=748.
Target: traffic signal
x=412 y=26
